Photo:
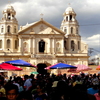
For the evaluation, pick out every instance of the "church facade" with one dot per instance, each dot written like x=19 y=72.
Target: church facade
x=41 y=43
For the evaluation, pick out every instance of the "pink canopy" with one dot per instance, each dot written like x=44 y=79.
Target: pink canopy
x=80 y=68
x=5 y=66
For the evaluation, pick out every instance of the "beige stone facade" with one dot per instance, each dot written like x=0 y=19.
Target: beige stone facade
x=40 y=42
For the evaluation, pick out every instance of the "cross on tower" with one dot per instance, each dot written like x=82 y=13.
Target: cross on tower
x=69 y=4
x=9 y=2
x=41 y=16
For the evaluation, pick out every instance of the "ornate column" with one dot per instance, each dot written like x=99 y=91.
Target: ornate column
x=33 y=45
x=22 y=45
x=53 y=45
x=19 y=44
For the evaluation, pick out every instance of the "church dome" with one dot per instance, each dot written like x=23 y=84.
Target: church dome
x=9 y=8
x=69 y=10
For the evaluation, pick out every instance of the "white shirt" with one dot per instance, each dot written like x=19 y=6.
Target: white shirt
x=27 y=84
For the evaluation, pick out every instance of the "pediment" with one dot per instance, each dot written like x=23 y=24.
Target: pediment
x=40 y=27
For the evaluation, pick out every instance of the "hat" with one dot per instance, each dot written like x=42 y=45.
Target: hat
x=55 y=84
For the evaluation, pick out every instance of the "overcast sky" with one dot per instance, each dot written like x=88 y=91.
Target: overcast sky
x=88 y=15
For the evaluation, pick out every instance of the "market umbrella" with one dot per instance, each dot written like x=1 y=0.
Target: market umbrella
x=98 y=67
x=60 y=66
x=5 y=66
x=20 y=62
x=80 y=68
x=34 y=73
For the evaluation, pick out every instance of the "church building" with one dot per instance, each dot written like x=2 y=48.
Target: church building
x=41 y=43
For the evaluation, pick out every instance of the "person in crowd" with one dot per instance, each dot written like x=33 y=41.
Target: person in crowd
x=40 y=94
x=92 y=90
x=27 y=83
x=2 y=90
x=97 y=95
x=61 y=92
x=25 y=95
x=11 y=92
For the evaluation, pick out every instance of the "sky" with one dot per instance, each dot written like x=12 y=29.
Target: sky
x=88 y=15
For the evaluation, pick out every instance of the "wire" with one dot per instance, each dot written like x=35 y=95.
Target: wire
x=89 y=25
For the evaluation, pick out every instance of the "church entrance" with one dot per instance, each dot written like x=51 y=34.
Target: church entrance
x=41 y=46
x=41 y=68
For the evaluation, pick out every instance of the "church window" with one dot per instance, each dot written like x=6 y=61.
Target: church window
x=65 y=44
x=65 y=30
x=0 y=43
x=12 y=15
x=70 y=17
x=14 y=29
x=71 y=30
x=9 y=16
x=8 y=29
x=76 y=30
x=67 y=18
x=72 y=45
x=16 y=44
x=8 y=43
x=41 y=46
x=78 y=45
x=2 y=29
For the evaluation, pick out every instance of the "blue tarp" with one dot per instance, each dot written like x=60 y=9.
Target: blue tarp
x=20 y=62
x=60 y=66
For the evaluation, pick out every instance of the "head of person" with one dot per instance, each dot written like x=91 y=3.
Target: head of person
x=11 y=92
x=26 y=77
x=25 y=95
x=39 y=88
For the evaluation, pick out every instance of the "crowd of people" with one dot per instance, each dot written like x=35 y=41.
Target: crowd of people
x=51 y=87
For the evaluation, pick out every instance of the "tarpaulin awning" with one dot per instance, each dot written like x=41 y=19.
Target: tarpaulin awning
x=5 y=66
x=60 y=66
x=98 y=67
x=20 y=62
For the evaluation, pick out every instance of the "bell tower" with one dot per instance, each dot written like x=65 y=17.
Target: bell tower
x=9 y=29
x=71 y=28
x=8 y=21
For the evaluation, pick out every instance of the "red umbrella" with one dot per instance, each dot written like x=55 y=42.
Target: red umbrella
x=5 y=66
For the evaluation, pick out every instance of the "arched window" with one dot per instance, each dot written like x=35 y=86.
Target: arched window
x=78 y=45
x=0 y=43
x=8 y=43
x=8 y=29
x=9 y=16
x=41 y=46
x=70 y=17
x=67 y=18
x=16 y=44
x=14 y=29
x=72 y=45
x=65 y=44
x=71 y=30
x=65 y=30
x=2 y=29
x=76 y=30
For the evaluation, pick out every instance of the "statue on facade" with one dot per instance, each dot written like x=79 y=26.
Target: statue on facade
x=58 y=48
x=25 y=47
